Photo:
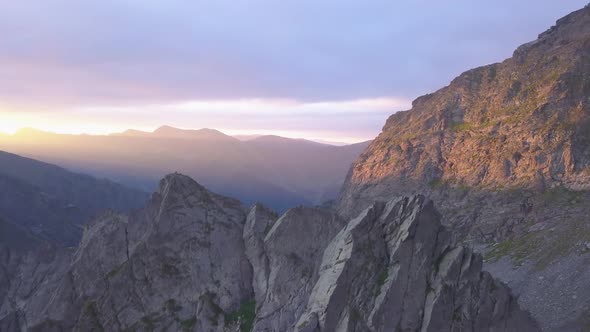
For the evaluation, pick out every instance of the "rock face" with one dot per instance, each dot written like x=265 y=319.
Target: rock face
x=520 y=124
x=294 y=248
x=177 y=264
x=395 y=268
x=504 y=152
x=258 y=223
x=191 y=260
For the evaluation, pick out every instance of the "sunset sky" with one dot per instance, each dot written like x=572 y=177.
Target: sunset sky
x=332 y=70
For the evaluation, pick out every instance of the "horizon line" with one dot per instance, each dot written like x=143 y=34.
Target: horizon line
x=235 y=133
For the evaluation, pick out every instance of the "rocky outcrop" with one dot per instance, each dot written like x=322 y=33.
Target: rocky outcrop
x=294 y=248
x=191 y=260
x=258 y=223
x=504 y=153
x=522 y=124
x=395 y=268
x=180 y=263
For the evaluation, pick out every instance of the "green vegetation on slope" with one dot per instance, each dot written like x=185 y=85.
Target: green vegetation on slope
x=245 y=315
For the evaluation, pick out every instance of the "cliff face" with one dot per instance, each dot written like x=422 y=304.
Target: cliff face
x=520 y=124
x=180 y=257
x=196 y=261
x=504 y=152
x=395 y=268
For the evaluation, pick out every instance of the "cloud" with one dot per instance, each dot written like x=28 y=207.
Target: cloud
x=348 y=120
x=333 y=68
x=129 y=51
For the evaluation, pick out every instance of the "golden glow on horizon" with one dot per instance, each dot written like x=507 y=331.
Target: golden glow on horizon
x=233 y=117
x=11 y=122
x=313 y=136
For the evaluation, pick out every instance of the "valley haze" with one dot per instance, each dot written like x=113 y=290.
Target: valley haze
x=277 y=171
x=464 y=210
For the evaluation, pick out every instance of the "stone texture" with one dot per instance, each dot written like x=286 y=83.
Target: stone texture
x=258 y=223
x=191 y=260
x=395 y=268
x=523 y=124
x=504 y=152
x=294 y=248
x=179 y=263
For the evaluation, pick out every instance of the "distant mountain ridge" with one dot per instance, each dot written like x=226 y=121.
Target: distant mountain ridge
x=280 y=172
x=52 y=203
x=169 y=131
x=172 y=132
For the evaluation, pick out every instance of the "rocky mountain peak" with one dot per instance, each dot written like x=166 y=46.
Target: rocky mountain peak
x=177 y=190
x=179 y=184
x=395 y=268
x=522 y=123
x=504 y=152
x=572 y=28
x=204 y=133
x=195 y=261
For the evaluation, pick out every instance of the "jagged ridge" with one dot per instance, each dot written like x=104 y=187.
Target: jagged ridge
x=504 y=152
x=193 y=260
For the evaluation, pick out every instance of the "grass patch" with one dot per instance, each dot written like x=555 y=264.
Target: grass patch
x=302 y=325
x=584 y=321
x=355 y=315
x=92 y=313
x=436 y=183
x=542 y=247
x=170 y=270
x=208 y=299
x=492 y=73
x=564 y=243
x=244 y=316
x=112 y=273
x=455 y=184
x=90 y=307
x=517 y=248
x=563 y=195
x=145 y=320
x=188 y=324
x=171 y=306
x=459 y=127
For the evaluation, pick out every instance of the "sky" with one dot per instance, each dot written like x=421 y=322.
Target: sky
x=331 y=70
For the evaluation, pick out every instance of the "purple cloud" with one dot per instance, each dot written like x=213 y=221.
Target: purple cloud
x=113 y=52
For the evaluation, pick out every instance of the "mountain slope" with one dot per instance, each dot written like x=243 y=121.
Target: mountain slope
x=192 y=260
x=279 y=172
x=524 y=122
x=52 y=202
x=504 y=152
x=171 y=132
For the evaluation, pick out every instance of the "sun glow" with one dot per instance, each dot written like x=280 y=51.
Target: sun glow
x=327 y=120
x=11 y=122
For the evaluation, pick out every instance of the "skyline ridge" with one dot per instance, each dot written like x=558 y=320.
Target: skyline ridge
x=159 y=132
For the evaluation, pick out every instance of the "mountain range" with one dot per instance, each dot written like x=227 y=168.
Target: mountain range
x=277 y=171
x=469 y=212
x=192 y=260
x=50 y=203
